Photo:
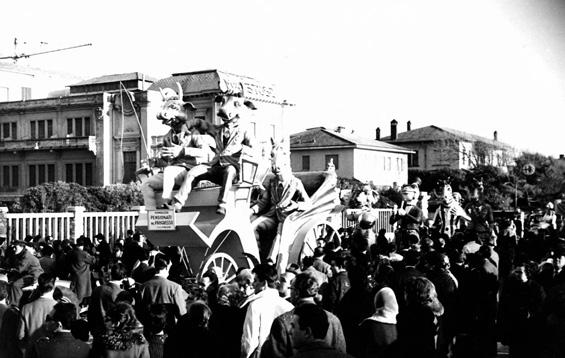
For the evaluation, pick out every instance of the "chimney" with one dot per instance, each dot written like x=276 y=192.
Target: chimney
x=378 y=134
x=408 y=126
x=561 y=156
x=393 y=125
x=495 y=135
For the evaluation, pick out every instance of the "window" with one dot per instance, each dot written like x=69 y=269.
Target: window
x=41 y=173
x=305 y=162
x=413 y=159
x=26 y=93
x=80 y=173
x=9 y=130
x=335 y=159
x=10 y=176
x=78 y=127
x=41 y=128
x=130 y=165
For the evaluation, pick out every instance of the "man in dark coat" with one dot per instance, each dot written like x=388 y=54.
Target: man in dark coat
x=80 y=270
x=279 y=343
x=24 y=271
x=61 y=344
x=309 y=327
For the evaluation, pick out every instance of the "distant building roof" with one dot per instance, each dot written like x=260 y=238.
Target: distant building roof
x=320 y=137
x=215 y=82
x=434 y=133
x=130 y=76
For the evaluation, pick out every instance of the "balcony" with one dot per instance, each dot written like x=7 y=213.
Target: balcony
x=49 y=144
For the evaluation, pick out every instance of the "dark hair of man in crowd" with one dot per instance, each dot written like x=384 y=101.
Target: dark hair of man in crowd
x=125 y=297
x=45 y=283
x=339 y=261
x=266 y=272
x=118 y=271
x=156 y=319
x=313 y=317
x=211 y=275
x=411 y=258
x=307 y=261
x=136 y=237
x=46 y=251
x=306 y=285
x=161 y=262
x=437 y=260
x=318 y=252
x=3 y=290
x=65 y=313
x=199 y=314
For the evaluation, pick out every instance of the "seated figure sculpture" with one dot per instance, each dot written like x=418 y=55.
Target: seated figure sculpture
x=182 y=150
x=283 y=195
x=232 y=139
x=408 y=216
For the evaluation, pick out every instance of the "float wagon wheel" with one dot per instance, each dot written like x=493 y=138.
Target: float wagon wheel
x=223 y=265
x=226 y=256
x=322 y=230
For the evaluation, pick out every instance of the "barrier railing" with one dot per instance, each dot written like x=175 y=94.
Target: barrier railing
x=70 y=225
x=349 y=218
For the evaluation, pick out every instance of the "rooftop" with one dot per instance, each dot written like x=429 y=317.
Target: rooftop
x=130 y=76
x=215 y=82
x=435 y=133
x=321 y=137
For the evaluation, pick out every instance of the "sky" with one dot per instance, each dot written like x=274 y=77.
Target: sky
x=475 y=65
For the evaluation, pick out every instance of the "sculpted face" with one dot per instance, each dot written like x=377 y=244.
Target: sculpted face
x=232 y=107
x=280 y=161
x=173 y=112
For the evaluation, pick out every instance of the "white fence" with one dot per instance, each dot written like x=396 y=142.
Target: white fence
x=70 y=225
x=382 y=216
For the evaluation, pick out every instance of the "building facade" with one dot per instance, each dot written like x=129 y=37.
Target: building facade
x=445 y=148
x=100 y=133
x=354 y=157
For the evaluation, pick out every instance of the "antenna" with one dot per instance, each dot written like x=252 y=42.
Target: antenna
x=23 y=55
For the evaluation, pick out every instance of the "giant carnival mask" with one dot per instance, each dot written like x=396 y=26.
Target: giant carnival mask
x=232 y=103
x=173 y=111
x=280 y=159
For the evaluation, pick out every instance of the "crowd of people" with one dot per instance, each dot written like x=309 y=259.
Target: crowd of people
x=439 y=296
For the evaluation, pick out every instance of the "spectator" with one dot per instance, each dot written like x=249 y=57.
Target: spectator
x=3 y=296
x=339 y=284
x=284 y=284
x=519 y=316
x=226 y=322
x=123 y=337
x=319 y=263
x=24 y=271
x=47 y=259
x=379 y=330
x=161 y=290
x=103 y=298
x=356 y=305
x=308 y=263
x=80 y=262
x=262 y=308
x=34 y=314
x=279 y=344
x=61 y=344
x=417 y=321
x=192 y=337
x=143 y=272
x=155 y=330
x=309 y=328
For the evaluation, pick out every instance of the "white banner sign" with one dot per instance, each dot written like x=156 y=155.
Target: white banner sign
x=161 y=220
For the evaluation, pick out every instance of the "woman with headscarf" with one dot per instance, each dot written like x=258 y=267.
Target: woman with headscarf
x=379 y=330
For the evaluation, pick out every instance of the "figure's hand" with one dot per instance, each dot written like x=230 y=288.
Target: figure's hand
x=172 y=152
x=401 y=212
